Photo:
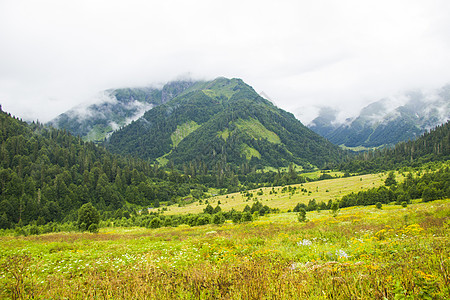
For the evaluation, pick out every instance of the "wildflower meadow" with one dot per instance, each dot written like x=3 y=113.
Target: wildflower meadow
x=360 y=253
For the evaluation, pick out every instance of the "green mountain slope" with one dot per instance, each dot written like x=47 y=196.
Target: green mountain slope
x=225 y=123
x=115 y=108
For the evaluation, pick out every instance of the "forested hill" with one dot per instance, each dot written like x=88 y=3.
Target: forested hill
x=431 y=146
x=223 y=124
x=47 y=174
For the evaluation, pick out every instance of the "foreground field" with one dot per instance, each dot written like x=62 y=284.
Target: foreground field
x=363 y=253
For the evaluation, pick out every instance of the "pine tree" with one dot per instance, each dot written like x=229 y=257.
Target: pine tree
x=88 y=218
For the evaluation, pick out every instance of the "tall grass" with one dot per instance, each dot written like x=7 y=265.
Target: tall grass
x=363 y=253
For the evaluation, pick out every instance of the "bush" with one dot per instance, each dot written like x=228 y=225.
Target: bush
x=155 y=223
x=236 y=217
x=298 y=207
x=208 y=209
x=203 y=220
x=218 y=218
x=378 y=205
x=34 y=230
x=334 y=207
x=390 y=180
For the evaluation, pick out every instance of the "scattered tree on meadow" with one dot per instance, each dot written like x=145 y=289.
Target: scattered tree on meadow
x=334 y=208
x=88 y=218
x=301 y=215
x=208 y=209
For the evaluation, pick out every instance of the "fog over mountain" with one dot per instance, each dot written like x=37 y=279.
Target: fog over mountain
x=109 y=110
x=387 y=121
x=304 y=54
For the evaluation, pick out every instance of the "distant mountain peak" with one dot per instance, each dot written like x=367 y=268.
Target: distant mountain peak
x=387 y=121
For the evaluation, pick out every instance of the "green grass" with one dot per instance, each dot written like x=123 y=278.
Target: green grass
x=363 y=253
x=224 y=134
x=257 y=130
x=254 y=128
x=183 y=131
x=323 y=190
x=163 y=161
x=360 y=148
x=98 y=133
x=297 y=168
x=215 y=88
x=249 y=152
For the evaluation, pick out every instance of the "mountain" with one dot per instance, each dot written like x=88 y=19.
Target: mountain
x=432 y=146
x=115 y=108
x=383 y=123
x=219 y=123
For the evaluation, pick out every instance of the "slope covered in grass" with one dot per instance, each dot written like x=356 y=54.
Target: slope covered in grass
x=287 y=198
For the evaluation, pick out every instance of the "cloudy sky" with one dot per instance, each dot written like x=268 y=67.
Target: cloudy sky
x=55 y=54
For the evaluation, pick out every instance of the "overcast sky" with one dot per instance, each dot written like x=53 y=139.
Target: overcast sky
x=55 y=54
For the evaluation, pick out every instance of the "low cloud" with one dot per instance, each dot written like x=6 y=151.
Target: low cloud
x=342 y=54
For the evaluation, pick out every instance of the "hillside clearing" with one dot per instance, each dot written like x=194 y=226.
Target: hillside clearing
x=323 y=190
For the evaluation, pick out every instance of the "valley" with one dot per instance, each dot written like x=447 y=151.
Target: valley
x=225 y=150
x=215 y=193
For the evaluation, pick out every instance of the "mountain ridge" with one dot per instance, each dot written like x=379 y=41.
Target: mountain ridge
x=234 y=125
x=382 y=123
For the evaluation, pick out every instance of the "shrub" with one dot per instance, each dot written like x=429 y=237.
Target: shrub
x=155 y=223
x=236 y=217
x=390 y=180
x=34 y=230
x=208 y=209
x=203 y=220
x=93 y=228
x=218 y=218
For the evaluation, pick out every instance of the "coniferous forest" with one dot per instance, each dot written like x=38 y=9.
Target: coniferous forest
x=46 y=175
x=433 y=145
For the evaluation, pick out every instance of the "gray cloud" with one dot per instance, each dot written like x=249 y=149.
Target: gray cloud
x=304 y=54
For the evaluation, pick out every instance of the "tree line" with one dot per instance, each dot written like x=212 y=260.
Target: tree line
x=433 y=145
x=47 y=174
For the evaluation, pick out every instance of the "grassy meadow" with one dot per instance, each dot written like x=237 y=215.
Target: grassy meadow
x=362 y=253
x=323 y=190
